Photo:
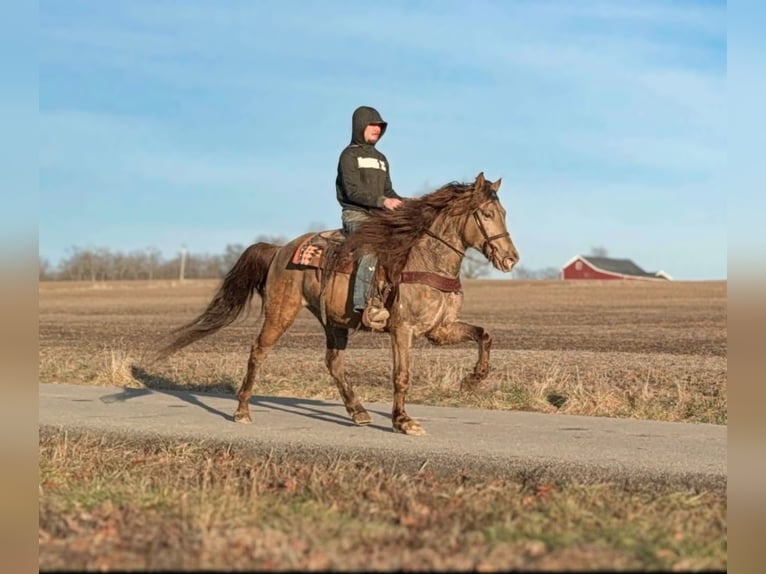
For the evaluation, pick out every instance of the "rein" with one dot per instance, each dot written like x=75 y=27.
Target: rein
x=455 y=249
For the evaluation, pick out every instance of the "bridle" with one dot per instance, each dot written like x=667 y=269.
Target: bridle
x=488 y=240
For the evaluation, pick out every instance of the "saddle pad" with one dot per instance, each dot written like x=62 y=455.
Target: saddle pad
x=308 y=254
x=311 y=251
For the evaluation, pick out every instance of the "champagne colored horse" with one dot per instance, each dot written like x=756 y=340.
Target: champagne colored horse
x=421 y=247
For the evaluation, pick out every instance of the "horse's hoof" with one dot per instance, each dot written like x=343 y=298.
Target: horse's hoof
x=361 y=418
x=410 y=427
x=242 y=418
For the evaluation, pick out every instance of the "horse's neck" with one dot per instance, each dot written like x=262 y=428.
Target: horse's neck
x=431 y=254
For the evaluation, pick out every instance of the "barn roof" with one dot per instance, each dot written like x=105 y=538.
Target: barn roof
x=619 y=266
x=622 y=266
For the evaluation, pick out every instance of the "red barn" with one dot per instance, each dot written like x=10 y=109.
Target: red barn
x=592 y=267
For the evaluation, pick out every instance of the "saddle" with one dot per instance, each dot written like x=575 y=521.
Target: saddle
x=322 y=252
x=316 y=251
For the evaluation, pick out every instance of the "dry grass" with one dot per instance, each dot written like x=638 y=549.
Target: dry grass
x=108 y=504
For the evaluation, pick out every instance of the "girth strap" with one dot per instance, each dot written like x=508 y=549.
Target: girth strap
x=440 y=282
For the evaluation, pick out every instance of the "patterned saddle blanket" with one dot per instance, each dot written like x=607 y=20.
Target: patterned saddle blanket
x=313 y=250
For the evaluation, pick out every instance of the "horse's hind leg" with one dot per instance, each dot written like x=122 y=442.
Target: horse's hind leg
x=278 y=318
x=337 y=340
x=458 y=332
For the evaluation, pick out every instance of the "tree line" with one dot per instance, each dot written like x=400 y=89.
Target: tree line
x=104 y=264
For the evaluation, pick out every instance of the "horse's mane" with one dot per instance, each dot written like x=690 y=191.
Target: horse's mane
x=391 y=234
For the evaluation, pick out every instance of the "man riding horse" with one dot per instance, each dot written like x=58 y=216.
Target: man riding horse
x=420 y=245
x=363 y=185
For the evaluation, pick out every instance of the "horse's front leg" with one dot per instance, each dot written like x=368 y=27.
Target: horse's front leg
x=458 y=332
x=401 y=340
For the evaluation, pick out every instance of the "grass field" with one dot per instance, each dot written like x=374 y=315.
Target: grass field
x=643 y=350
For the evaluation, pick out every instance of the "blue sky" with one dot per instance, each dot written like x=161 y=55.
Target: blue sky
x=204 y=124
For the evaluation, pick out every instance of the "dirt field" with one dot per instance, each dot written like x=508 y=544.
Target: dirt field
x=624 y=349
x=645 y=350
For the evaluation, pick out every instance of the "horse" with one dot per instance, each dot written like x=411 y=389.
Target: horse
x=420 y=246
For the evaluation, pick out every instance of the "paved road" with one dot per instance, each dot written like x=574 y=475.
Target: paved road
x=507 y=443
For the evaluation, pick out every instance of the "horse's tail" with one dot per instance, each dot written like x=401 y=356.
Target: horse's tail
x=247 y=276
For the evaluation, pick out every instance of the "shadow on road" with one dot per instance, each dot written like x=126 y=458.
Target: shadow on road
x=308 y=408
x=311 y=408
x=160 y=385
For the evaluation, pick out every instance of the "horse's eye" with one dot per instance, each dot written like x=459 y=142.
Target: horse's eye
x=487 y=213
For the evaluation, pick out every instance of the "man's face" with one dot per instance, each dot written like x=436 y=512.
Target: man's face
x=372 y=133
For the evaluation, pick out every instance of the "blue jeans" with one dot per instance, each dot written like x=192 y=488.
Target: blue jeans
x=366 y=266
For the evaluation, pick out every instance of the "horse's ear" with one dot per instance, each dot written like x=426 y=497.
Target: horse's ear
x=480 y=180
x=495 y=186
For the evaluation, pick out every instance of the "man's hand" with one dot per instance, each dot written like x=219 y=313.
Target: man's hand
x=392 y=203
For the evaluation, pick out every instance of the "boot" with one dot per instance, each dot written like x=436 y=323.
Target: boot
x=375 y=315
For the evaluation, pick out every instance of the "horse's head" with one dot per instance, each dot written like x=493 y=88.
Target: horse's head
x=485 y=228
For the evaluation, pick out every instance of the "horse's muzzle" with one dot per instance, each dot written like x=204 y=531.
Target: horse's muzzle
x=508 y=260
x=504 y=258
x=508 y=263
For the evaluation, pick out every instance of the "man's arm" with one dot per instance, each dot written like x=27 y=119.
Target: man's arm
x=388 y=190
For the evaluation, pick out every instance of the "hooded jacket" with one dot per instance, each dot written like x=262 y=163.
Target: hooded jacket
x=364 y=179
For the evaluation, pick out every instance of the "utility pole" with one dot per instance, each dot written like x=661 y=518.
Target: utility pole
x=183 y=263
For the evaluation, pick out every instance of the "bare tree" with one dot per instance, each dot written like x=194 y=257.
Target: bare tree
x=104 y=265
x=79 y=265
x=474 y=266
x=275 y=239
x=202 y=266
x=230 y=256
x=548 y=273
x=152 y=262
x=44 y=269
x=521 y=272
x=525 y=273
x=599 y=251
x=316 y=226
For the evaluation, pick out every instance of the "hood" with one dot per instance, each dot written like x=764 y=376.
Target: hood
x=364 y=116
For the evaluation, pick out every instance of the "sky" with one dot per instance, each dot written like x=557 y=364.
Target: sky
x=170 y=125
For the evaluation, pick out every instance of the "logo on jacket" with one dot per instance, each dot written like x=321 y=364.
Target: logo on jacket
x=371 y=163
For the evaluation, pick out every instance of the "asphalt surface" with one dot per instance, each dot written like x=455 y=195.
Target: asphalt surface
x=503 y=443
